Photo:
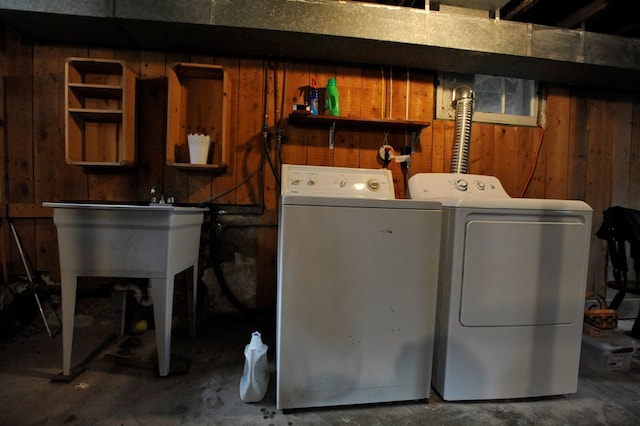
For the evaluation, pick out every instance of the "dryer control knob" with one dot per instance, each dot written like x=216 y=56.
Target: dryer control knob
x=461 y=185
x=373 y=184
x=480 y=185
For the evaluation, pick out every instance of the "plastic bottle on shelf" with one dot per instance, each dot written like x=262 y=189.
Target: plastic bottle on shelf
x=333 y=97
x=313 y=97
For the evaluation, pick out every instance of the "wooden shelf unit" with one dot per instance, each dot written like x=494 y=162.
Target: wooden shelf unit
x=100 y=103
x=198 y=102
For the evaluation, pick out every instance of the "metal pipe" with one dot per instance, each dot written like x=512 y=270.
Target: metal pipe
x=462 y=99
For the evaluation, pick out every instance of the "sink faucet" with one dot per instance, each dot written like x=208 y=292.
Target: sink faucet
x=157 y=197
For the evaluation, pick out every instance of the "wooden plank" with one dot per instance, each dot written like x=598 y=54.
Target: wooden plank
x=481 y=148
x=620 y=117
x=348 y=142
x=248 y=147
x=578 y=146
x=504 y=157
x=557 y=153
x=634 y=155
x=420 y=107
x=294 y=148
x=598 y=178
x=20 y=139
x=438 y=136
x=152 y=105
x=222 y=183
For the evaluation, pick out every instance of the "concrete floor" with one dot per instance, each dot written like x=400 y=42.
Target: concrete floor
x=110 y=393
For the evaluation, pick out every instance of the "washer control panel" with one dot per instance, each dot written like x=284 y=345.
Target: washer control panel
x=324 y=181
x=455 y=185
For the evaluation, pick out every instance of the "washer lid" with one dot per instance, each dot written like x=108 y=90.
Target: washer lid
x=337 y=182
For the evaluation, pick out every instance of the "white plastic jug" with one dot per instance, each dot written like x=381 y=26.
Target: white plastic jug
x=255 y=378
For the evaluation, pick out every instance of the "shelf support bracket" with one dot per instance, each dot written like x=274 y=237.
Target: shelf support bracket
x=332 y=134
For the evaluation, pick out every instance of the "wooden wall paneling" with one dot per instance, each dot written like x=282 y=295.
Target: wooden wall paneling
x=249 y=146
x=524 y=162
x=199 y=183
x=347 y=143
x=421 y=108
x=437 y=142
x=578 y=144
x=52 y=176
x=620 y=118
x=373 y=101
x=557 y=142
x=504 y=158
x=531 y=153
x=20 y=142
x=599 y=177
x=294 y=148
x=481 y=149
x=277 y=101
x=318 y=151
x=151 y=118
x=176 y=182
x=223 y=183
x=634 y=155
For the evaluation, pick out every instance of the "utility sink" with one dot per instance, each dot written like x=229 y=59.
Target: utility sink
x=128 y=240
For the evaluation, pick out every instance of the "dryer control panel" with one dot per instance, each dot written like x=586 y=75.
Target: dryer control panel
x=345 y=182
x=457 y=185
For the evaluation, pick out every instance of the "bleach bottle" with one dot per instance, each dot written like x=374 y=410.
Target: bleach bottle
x=255 y=378
x=333 y=97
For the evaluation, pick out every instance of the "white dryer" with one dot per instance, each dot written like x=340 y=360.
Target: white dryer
x=512 y=281
x=357 y=279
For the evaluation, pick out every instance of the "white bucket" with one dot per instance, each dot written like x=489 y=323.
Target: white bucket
x=198 y=148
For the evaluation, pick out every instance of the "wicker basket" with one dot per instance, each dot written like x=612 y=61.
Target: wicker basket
x=601 y=318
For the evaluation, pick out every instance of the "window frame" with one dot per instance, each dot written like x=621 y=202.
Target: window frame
x=446 y=111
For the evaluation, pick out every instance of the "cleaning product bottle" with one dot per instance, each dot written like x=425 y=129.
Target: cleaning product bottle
x=255 y=378
x=313 y=97
x=333 y=97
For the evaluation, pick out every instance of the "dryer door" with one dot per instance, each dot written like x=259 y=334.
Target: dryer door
x=523 y=269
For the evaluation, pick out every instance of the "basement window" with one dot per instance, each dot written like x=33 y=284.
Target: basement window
x=500 y=100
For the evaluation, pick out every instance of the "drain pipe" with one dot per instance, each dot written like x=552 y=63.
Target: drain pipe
x=462 y=99
x=137 y=293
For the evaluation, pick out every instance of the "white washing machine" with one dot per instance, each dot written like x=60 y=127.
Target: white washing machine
x=357 y=279
x=511 y=291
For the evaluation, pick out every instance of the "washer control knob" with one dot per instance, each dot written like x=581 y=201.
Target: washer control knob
x=295 y=181
x=480 y=185
x=311 y=181
x=373 y=184
x=461 y=185
x=342 y=183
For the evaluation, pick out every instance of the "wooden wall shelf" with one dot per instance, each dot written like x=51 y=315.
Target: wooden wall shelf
x=198 y=102
x=100 y=101
x=380 y=124
x=386 y=125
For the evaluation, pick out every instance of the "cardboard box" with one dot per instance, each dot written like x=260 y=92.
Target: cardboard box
x=608 y=353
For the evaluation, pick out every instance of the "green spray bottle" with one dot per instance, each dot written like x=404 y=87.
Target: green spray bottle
x=333 y=97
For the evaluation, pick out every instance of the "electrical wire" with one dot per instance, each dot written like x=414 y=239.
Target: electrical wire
x=535 y=161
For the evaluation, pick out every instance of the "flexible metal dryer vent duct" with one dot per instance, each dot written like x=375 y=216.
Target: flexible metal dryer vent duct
x=463 y=102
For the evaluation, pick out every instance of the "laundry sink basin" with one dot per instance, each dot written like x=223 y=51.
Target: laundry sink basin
x=129 y=240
